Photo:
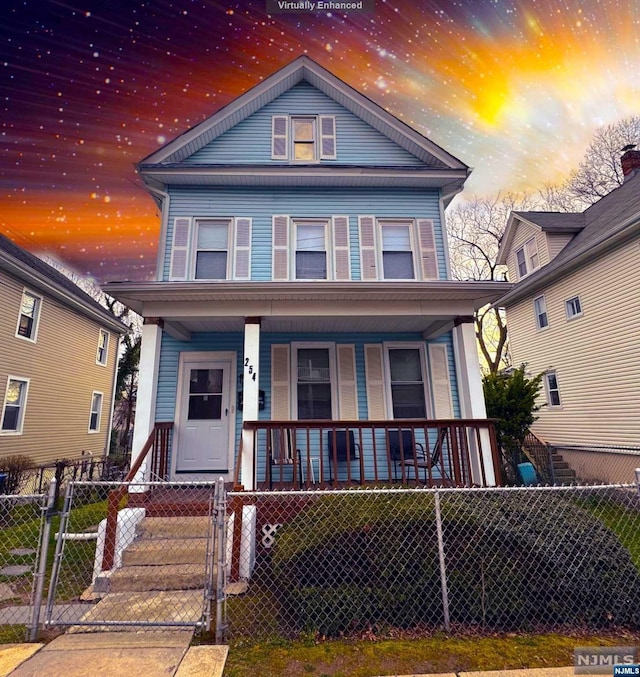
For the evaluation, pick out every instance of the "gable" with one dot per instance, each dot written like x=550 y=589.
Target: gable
x=357 y=143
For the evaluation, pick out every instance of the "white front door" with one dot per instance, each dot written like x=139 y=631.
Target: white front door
x=204 y=417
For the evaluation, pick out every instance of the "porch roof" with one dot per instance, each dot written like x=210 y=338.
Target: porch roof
x=427 y=307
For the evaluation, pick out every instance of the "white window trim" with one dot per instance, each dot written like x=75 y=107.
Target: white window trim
x=548 y=390
x=391 y=345
x=99 y=420
x=23 y=409
x=194 y=247
x=413 y=240
x=536 y=315
x=527 y=258
x=103 y=332
x=316 y=139
x=328 y=245
x=36 y=319
x=575 y=316
x=333 y=374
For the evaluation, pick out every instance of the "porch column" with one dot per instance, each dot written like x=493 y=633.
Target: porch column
x=147 y=389
x=471 y=394
x=250 y=388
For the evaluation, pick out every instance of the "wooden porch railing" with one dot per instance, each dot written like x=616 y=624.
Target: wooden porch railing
x=158 y=444
x=303 y=454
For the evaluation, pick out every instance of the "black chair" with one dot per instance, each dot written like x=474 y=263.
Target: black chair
x=406 y=453
x=282 y=453
x=342 y=448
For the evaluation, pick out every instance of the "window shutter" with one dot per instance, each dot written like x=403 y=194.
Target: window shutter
x=428 y=249
x=280 y=383
x=180 y=248
x=280 y=247
x=347 y=383
x=374 y=374
x=328 y=137
x=439 y=362
x=242 y=253
x=368 y=261
x=279 y=137
x=341 y=256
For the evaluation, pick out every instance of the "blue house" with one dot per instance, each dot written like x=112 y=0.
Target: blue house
x=303 y=327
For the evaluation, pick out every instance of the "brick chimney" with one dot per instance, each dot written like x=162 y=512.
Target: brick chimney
x=630 y=162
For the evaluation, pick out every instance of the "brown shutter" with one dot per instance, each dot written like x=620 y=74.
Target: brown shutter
x=428 y=249
x=280 y=246
x=279 y=137
x=180 y=248
x=440 y=383
x=347 y=383
x=280 y=383
x=341 y=255
x=328 y=137
x=368 y=260
x=374 y=374
x=242 y=252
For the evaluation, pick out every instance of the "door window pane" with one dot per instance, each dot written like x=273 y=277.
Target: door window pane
x=407 y=385
x=314 y=384
x=205 y=394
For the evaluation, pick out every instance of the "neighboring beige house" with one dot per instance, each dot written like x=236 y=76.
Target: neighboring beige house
x=58 y=361
x=575 y=314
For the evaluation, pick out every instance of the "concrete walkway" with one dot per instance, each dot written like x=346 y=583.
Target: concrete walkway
x=117 y=654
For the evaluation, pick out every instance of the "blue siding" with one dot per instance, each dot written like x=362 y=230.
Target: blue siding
x=234 y=341
x=262 y=203
x=249 y=142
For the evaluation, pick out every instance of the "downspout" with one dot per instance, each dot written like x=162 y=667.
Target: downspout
x=164 y=199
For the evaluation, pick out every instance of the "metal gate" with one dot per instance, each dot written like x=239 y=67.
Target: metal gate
x=140 y=555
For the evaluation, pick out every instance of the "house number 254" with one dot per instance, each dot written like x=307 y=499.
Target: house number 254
x=249 y=367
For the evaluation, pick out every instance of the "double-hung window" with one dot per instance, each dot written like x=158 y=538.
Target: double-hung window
x=573 y=307
x=212 y=249
x=311 y=250
x=15 y=402
x=303 y=138
x=29 y=314
x=527 y=258
x=94 y=414
x=540 y=309
x=397 y=251
x=103 y=347
x=552 y=388
x=313 y=368
x=407 y=382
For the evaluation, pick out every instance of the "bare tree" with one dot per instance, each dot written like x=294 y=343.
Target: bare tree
x=600 y=170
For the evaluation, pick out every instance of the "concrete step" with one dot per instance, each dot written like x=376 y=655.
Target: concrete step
x=157 y=607
x=159 y=577
x=154 y=551
x=561 y=465
x=174 y=527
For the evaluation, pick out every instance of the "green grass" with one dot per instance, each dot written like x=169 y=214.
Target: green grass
x=401 y=656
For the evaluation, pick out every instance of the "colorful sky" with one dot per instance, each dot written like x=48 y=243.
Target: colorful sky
x=89 y=87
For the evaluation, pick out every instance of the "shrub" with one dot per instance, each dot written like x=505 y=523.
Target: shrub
x=17 y=469
x=374 y=562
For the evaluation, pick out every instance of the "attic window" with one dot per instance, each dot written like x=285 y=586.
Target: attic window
x=527 y=258
x=303 y=138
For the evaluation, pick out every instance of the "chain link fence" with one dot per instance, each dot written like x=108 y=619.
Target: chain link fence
x=21 y=528
x=520 y=559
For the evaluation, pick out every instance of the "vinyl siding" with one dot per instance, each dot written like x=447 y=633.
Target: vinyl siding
x=524 y=233
x=249 y=142
x=234 y=341
x=261 y=204
x=63 y=373
x=596 y=356
x=556 y=242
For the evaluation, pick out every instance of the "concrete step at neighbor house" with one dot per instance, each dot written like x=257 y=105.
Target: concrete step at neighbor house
x=153 y=551
x=174 y=527
x=158 y=577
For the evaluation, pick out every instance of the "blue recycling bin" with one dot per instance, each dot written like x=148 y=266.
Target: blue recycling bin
x=527 y=474
x=3 y=482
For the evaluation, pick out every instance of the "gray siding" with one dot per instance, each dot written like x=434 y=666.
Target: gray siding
x=249 y=142
x=261 y=204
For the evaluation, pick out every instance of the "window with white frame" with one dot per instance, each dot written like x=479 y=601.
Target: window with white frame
x=540 y=309
x=314 y=369
x=212 y=249
x=397 y=250
x=15 y=402
x=573 y=307
x=303 y=138
x=94 y=414
x=311 y=250
x=553 y=391
x=527 y=258
x=103 y=347
x=406 y=370
x=29 y=315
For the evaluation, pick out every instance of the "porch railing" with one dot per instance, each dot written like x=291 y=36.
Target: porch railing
x=158 y=445
x=302 y=454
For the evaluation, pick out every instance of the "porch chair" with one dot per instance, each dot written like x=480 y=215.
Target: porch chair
x=346 y=449
x=282 y=453
x=406 y=452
